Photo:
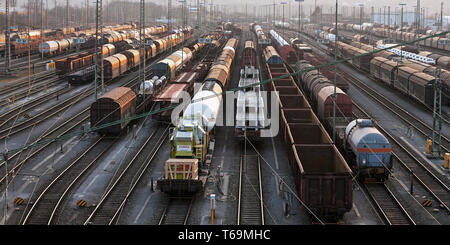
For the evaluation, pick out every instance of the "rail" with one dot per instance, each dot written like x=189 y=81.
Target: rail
x=250 y=201
x=177 y=211
x=435 y=186
x=392 y=211
x=113 y=201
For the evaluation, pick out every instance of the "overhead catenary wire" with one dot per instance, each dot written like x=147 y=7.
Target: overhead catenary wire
x=223 y=93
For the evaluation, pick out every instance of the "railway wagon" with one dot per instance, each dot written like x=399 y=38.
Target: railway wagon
x=50 y=48
x=271 y=56
x=360 y=62
x=191 y=137
x=383 y=69
x=78 y=61
x=441 y=60
x=81 y=77
x=371 y=151
x=320 y=90
x=249 y=55
x=322 y=177
x=117 y=104
x=368 y=150
x=284 y=49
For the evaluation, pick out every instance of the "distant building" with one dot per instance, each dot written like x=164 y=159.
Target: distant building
x=319 y=17
x=395 y=18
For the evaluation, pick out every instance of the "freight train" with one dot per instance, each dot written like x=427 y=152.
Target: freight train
x=119 y=63
x=250 y=109
x=322 y=177
x=190 y=140
x=405 y=35
x=59 y=38
x=415 y=84
x=287 y=52
x=120 y=104
x=262 y=39
x=364 y=146
x=82 y=60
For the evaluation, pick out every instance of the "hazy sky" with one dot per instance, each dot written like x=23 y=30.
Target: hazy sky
x=432 y=5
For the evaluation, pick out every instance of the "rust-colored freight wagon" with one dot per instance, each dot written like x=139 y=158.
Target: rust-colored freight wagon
x=322 y=177
x=117 y=104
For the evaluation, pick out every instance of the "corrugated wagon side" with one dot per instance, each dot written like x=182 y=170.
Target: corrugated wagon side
x=117 y=104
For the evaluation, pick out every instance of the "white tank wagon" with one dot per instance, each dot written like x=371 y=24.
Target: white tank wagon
x=190 y=140
x=278 y=38
x=199 y=118
x=55 y=47
x=205 y=109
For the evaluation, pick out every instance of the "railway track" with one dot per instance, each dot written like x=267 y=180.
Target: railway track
x=22 y=83
x=21 y=157
x=44 y=115
x=45 y=206
x=36 y=89
x=76 y=120
x=8 y=117
x=113 y=201
x=429 y=181
x=387 y=205
x=407 y=117
x=60 y=107
x=177 y=211
x=250 y=200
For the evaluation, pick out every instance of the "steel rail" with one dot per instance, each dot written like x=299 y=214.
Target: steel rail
x=124 y=181
x=391 y=210
x=435 y=186
x=41 y=212
x=250 y=200
x=398 y=111
x=177 y=211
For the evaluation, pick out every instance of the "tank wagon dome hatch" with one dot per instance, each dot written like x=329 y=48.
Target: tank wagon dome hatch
x=362 y=133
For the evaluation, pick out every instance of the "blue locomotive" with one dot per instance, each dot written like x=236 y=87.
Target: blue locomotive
x=370 y=151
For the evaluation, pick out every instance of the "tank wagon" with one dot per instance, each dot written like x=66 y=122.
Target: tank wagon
x=263 y=40
x=320 y=91
x=284 y=49
x=191 y=137
x=370 y=151
x=322 y=177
